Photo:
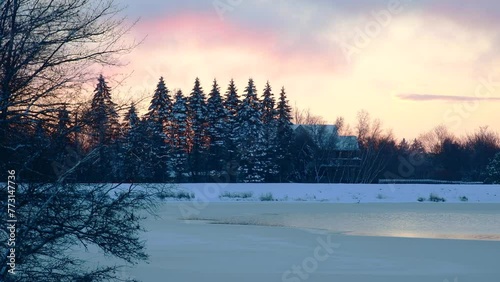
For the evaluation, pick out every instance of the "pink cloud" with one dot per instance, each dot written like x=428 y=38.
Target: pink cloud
x=205 y=32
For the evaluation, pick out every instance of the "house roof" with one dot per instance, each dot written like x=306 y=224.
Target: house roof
x=348 y=143
x=322 y=134
x=328 y=128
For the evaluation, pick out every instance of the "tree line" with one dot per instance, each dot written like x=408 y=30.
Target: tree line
x=225 y=137
x=180 y=137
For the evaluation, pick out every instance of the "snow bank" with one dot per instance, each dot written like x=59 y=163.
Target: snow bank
x=340 y=193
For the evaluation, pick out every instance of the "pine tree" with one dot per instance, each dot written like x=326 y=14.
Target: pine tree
x=217 y=129
x=160 y=108
x=269 y=120
x=493 y=170
x=284 y=137
x=232 y=106
x=132 y=155
x=251 y=137
x=158 y=121
x=102 y=116
x=63 y=122
x=131 y=119
x=197 y=112
x=104 y=128
x=404 y=147
x=63 y=129
x=179 y=136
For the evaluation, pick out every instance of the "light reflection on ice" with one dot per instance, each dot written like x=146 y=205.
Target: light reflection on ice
x=387 y=220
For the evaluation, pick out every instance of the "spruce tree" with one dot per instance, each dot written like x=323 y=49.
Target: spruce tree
x=131 y=119
x=217 y=129
x=269 y=120
x=102 y=120
x=251 y=137
x=179 y=136
x=232 y=105
x=284 y=137
x=158 y=120
x=63 y=123
x=134 y=164
x=102 y=116
x=197 y=112
x=493 y=170
x=160 y=108
x=61 y=135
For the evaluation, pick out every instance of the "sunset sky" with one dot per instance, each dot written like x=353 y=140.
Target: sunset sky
x=413 y=64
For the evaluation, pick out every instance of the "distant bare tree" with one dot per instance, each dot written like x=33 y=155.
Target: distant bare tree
x=301 y=116
x=434 y=139
x=376 y=147
x=343 y=129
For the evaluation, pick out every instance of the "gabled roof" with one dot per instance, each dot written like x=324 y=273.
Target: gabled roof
x=323 y=134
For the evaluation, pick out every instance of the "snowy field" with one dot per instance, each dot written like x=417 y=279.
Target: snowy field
x=341 y=193
x=300 y=241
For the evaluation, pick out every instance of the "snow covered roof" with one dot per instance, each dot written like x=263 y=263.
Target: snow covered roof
x=327 y=128
x=323 y=133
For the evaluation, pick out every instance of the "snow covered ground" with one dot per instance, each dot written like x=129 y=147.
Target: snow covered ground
x=341 y=193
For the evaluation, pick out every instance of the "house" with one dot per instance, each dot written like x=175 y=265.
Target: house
x=328 y=156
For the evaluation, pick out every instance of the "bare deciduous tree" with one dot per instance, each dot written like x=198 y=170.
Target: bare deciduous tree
x=434 y=139
x=54 y=220
x=301 y=116
x=375 y=146
x=48 y=48
x=343 y=128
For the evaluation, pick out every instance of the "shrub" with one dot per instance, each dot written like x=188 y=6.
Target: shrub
x=266 y=197
x=435 y=198
x=176 y=195
x=242 y=195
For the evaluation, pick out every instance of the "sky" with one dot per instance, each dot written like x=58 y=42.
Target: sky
x=414 y=64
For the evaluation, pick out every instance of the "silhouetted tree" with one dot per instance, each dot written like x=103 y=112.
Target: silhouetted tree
x=158 y=120
x=217 y=129
x=270 y=124
x=251 y=136
x=179 y=136
x=197 y=112
x=284 y=137
x=104 y=129
x=232 y=105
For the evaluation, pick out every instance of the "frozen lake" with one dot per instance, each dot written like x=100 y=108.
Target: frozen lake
x=454 y=221
x=280 y=241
